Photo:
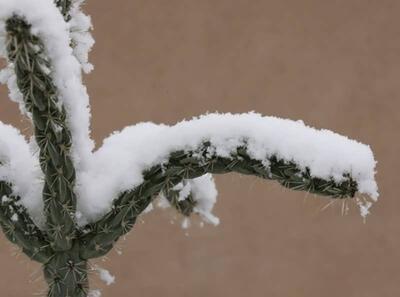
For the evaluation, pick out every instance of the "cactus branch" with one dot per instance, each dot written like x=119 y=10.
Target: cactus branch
x=192 y=164
x=33 y=72
x=19 y=228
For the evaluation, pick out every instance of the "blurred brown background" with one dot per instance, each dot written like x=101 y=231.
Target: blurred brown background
x=334 y=64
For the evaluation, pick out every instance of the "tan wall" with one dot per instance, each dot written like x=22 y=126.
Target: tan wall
x=334 y=64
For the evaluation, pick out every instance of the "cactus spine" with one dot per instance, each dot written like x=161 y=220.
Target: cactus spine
x=61 y=245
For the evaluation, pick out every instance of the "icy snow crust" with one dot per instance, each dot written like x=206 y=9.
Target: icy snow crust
x=118 y=165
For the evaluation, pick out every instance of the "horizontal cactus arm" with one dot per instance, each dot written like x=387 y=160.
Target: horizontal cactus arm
x=192 y=164
x=19 y=228
x=145 y=160
x=118 y=165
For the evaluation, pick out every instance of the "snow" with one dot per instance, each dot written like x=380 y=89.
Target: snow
x=364 y=207
x=105 y=276
x=184 y=191
x=118 y=165
x=205 y=194
x=7 y=76
x=185 y=223
x=80 y=26
x=162 y=202
x=203 y=191
x=20 y=167
x=148 y=209
x=94 y=293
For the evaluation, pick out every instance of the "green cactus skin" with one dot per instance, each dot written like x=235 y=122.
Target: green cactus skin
x=185 y=206
x=51 y=132
x=21 y=230
x=66 y=274
x=61 y=246
x=188 y=165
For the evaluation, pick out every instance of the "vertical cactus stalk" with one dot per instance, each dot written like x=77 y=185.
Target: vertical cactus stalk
x=51 y=132
x=67 y=274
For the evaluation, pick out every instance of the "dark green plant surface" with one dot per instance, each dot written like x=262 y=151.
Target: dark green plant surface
x=61 y=245
x=19 y=228
x=184 y=165
x=51 y=132
x=64 y=6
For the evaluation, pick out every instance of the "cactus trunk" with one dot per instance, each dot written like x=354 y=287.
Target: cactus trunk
x=66 y=274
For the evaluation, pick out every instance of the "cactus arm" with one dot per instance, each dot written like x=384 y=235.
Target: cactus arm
x=26 y=51
x=20 y=197
x=192 y=164
x=19 y=228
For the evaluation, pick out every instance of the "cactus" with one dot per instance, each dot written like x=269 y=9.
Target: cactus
x=56 y=238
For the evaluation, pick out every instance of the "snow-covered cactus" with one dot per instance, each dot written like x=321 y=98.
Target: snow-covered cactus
x=63 y=203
